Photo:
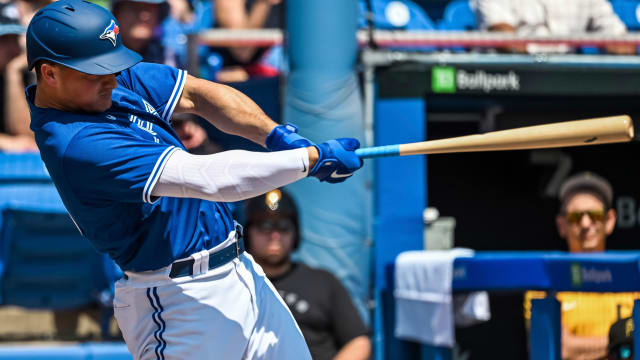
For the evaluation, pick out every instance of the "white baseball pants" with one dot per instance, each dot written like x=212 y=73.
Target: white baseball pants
x=231 y=312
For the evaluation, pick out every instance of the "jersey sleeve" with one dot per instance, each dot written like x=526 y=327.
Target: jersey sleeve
x=347 y=324
x=159 y=84
x=109 y=163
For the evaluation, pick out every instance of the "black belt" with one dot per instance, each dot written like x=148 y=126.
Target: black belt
x=184 y=267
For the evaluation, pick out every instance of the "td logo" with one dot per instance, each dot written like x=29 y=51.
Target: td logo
x=576 y=275
x=443 y=79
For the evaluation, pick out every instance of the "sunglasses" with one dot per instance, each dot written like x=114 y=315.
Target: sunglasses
x=575 y=217
x=281 y=225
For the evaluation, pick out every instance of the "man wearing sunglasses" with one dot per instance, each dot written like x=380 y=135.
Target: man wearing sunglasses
x=584 y=220
x=586 y=217
x=320 y=304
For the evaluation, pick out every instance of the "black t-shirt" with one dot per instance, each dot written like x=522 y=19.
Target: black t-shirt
x=322 y=307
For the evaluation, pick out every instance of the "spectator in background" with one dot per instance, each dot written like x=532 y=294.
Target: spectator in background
x=585 y=220
x=551 y=17
x=239 y=63
x=158 y=29
x=586 y=217
x=15 y=135
x=621 y=340
x=140 y=28
x=186 y=17
x=320 y=304
x=28 y=8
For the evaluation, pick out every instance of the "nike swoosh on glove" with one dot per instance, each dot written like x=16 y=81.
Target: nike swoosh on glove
x=285 y=137
x=337 y=160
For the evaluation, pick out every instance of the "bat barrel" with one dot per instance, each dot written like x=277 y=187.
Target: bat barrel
x=378 y=151
x=604 y=130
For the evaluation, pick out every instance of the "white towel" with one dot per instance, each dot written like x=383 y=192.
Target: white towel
x=424 y=306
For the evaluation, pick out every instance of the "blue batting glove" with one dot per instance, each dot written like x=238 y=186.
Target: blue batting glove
x=337 y=160
x=285 y=137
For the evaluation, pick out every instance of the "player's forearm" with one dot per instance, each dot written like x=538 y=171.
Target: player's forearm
x=356 y=349
x=231 y=175
x=226 y=108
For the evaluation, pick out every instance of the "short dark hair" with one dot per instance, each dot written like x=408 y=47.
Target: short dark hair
x=586 y=182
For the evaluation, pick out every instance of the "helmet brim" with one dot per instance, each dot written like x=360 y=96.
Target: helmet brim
x=113 y=62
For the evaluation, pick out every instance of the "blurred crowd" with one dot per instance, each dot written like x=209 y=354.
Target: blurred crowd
x=159 y=30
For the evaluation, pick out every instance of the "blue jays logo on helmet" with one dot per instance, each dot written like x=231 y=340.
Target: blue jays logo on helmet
x=111 y=33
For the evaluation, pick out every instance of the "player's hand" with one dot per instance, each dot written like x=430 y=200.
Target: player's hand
x=337 y=160
x=286 y=137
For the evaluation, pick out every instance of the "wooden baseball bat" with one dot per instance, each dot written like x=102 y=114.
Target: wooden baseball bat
x=603 y=130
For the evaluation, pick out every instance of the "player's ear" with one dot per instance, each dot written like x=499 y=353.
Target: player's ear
x=49 y=73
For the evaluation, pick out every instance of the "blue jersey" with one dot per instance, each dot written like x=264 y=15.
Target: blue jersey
x=105 y=165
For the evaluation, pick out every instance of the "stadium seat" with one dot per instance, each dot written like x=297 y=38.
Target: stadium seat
x=22 y=167
x=25 y=184
x=46 y=264
x=396 y=15
x=629 y=12
x=85 y=351
x=458 y=15
x=391 y=15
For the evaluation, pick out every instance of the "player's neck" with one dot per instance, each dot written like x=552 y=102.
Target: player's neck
x=274 y=271
x=43 y=98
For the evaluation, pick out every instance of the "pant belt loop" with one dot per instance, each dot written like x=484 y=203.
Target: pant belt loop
x=239 y=234
x=197 y=262
x=237 y=247
x=204 y=262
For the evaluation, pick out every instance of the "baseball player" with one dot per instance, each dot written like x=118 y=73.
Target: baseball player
x=101 y=122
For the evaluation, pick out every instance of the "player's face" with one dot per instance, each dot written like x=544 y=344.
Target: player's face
x=585 y=224
x=84 y=92
x=272 y=240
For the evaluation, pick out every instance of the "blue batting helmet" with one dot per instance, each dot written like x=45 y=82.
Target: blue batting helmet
x=79 y=35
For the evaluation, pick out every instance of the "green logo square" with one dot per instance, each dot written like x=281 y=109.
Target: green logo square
x=576 y=275
x=443 y=79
